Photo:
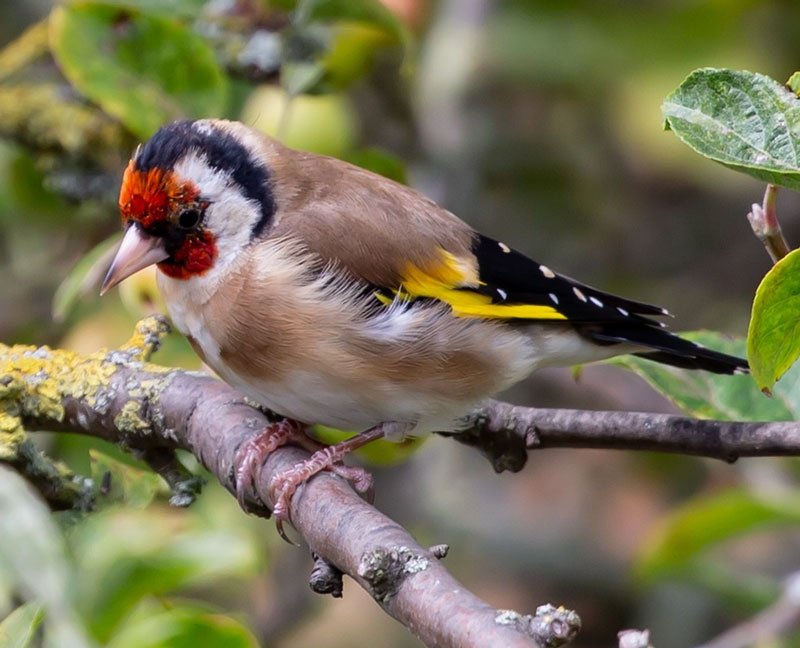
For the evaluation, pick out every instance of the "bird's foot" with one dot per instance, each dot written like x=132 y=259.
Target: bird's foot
x=283 y=485
x=361 y=479
x=254 y=451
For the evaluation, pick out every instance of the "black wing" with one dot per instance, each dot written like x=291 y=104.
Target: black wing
x=509 y=277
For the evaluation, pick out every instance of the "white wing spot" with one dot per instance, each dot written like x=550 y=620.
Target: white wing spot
x=596 y=301
x=622 y=311
x=547 y=272
x=554 y=298
x=664 y=311
x=502 y=293
x=504 y=247
x=578 y=293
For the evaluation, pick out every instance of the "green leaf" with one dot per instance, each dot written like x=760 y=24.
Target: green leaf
x=707 y=521
x=18 y=628
x=794 y=82
x=708 y=395
x=746 y=121
x=119 y=483
x=145 y=70
x=181 y=8
x=773 y=339
x=33 y=551
x=184 y=626
x=33 y=557
x=136 y=554
x=87 y=274
x=29 y=191
x=300 y=77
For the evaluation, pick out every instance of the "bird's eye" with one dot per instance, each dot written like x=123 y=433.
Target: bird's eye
x=189 y=218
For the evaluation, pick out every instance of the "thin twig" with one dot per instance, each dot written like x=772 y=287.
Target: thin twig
x=505 y=433
x=764 y=221
x=767 y=626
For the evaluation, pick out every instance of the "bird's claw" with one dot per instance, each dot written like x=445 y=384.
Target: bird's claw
x=283 y=486
x=254 y=451
x=361 y=479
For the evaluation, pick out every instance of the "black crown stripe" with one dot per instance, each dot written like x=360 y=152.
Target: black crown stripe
x=222 y=151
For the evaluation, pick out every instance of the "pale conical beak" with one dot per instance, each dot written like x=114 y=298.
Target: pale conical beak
x=137 y=251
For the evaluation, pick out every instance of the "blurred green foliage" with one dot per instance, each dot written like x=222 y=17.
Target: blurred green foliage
x=18 y=628
x=108 y=576
x=143 y=69
x=537 y=121
x=678 y=547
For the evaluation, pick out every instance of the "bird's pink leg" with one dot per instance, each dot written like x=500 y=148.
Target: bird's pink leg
x=284 y=485
x=253 y=452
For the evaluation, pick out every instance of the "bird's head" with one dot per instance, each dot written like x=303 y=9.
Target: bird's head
x=191 y=199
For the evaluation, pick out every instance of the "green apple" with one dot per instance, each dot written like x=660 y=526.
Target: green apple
x=324 y=124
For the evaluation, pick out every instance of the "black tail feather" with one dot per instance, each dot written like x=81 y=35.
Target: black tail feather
x=668 y=348
x=720 y=363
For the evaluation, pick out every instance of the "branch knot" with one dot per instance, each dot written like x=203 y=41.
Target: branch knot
x=386 y=569
x=551 y=626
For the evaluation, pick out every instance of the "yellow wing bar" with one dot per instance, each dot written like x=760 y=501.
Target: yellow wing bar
x=450 y=282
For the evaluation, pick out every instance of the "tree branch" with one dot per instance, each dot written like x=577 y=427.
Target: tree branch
x=504 y=433
x=117 y=396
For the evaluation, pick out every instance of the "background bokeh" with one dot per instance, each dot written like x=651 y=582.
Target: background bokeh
x=539 y=123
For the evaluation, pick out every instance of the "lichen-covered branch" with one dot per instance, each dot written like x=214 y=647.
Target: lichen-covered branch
x=118 y=396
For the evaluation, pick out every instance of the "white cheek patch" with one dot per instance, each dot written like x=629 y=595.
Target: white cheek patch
x=230 y=216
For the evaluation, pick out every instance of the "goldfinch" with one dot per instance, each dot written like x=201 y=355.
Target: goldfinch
x=332 y=295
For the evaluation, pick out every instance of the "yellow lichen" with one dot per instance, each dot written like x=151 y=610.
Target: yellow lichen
x=11 y=434
x=128 y=420
x=34 y=381
x=146 y=339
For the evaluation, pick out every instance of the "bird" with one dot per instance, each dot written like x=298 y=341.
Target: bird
x=331 y=295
